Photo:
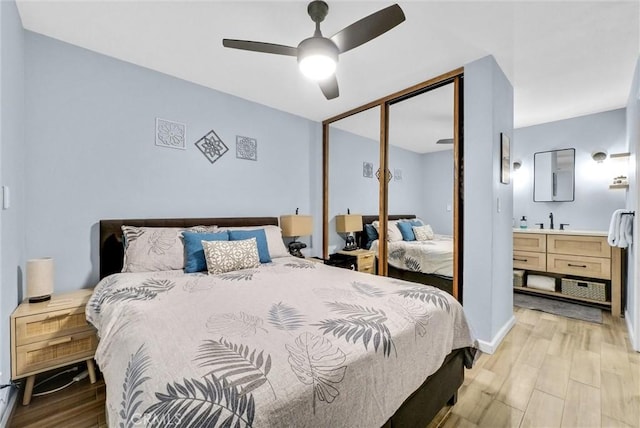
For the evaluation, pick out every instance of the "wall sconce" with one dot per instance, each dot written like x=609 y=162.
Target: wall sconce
x=517 y=165
x=599 y=156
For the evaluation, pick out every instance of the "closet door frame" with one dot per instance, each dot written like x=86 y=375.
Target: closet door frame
x=454 y=77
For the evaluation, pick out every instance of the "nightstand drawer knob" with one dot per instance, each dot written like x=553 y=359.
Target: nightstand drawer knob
x=60 y=341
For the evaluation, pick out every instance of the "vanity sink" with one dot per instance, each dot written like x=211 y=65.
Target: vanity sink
x=563 y=232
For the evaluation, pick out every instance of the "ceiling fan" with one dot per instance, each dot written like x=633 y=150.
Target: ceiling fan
x=318 y=55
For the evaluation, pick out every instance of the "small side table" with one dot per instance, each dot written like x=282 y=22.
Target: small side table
x=364 y=259
x=49 y=335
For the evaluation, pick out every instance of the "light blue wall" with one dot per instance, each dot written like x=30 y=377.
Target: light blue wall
x=91 y=154
x=594 y=201
x=348 y=188
x=437 y=194
x=12 y=166
x=421 y=191
x=487 y=275
x=632 y=203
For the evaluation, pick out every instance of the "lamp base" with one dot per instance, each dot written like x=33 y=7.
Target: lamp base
x=350 y=243
x=37 y=299
x=295 y=247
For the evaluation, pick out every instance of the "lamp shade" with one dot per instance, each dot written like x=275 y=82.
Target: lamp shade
x=296 y=225
x=39 y=279
x=348 y=223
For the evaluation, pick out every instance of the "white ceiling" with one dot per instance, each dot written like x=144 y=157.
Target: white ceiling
x=415 y=124
x=564 y=59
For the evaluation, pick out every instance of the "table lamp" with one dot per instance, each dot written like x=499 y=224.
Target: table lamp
x=349 y=223
x=39 y=279
x=294 y=226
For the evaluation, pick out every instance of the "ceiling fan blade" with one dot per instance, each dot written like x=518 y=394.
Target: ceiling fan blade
x=368 y=28
x=260 y=47
x=329 y=87
x=445 y=141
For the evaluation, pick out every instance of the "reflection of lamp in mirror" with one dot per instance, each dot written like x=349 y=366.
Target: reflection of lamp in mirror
x=349 y=223
x=295 y=226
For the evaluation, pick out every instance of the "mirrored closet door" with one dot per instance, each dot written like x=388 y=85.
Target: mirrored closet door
x=414 y=180
x=421 y=189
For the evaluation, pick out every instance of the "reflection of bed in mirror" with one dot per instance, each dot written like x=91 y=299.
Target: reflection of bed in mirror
x=427 y=262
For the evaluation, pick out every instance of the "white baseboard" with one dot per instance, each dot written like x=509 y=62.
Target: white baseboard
x=635 y=342
x=490 y=347
x=6 y=406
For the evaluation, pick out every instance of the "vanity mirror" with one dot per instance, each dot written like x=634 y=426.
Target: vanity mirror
x=554 y=176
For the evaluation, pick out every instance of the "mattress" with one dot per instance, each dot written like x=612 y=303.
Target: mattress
x=291 y=343
x=434 y=256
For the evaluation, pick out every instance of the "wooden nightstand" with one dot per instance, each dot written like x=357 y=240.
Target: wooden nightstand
x=365 y=259
x=51 y=334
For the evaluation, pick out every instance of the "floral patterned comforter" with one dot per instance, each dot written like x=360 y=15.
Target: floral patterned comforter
x=292 y=343
x=434 y=256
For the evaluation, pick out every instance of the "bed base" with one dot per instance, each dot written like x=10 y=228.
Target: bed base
x=440 y=389
x=441 y=282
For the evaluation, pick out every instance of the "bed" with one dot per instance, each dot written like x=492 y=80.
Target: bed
x=290 y=343
x=427 y=262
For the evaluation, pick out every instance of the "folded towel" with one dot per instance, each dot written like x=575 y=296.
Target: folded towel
x=541 y=282
x=614 y=228
x=627 y=228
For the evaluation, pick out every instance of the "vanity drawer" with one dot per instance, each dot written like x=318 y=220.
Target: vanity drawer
x=592 y=246
x=529 y=242
x=590 y=267
x=529 y=260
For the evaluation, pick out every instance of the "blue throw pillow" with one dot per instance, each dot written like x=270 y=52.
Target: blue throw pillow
x=372 y=233
x=416 y=222
x=406 y=229
x=261 y=238
x=194 y=254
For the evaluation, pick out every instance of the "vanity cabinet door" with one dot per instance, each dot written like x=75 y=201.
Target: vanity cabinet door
x=530 y=242
x=592 y=246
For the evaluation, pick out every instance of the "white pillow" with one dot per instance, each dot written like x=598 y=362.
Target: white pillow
x=227 y=256
x=393 y=233
x=423 y=233
x=274 y=239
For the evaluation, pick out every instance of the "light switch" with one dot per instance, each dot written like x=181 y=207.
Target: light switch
x=448 y=207
x=499 y=205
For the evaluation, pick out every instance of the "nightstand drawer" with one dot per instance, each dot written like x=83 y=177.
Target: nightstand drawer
x=36 y=328
x=366 y=259
x=54 y=352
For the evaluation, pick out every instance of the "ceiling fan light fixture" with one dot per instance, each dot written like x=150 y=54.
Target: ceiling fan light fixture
x=317 y=58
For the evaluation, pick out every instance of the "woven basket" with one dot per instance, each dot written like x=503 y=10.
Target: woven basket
x=584 y=289
x=518 y=278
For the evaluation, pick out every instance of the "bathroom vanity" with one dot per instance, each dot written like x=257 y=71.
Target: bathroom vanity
x=570 y=255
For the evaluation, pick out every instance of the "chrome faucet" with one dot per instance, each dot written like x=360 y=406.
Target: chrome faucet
x=551 y=221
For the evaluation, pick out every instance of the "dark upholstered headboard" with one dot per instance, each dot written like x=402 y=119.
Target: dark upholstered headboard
x=361 y=237
x=112 y=250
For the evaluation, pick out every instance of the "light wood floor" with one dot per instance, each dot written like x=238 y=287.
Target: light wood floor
x=552 y=371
